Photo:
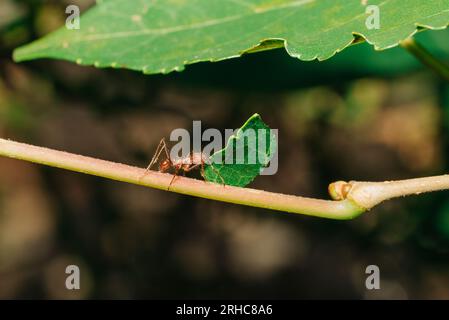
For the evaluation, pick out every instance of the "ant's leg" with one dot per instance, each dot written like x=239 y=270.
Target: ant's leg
x=157 y=154
x=164 y=146
x=192 y=167
x=155 y=157
x=210 y=164
x=203 y=174
x=202 y=171
x=173 y=179
x=161 y=147
x=216 y=172
x=218 y=175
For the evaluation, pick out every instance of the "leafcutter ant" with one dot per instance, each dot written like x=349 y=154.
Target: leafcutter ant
x=183 y=165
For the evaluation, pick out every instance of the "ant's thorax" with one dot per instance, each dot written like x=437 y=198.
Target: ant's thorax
x=195 y=158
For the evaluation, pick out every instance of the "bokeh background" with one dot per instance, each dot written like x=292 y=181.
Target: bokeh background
x=363 y=115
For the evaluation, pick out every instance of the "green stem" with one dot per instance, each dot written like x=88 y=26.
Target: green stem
x=441 y=68
x=350 y=198
x=344 y=209
x=370 y=194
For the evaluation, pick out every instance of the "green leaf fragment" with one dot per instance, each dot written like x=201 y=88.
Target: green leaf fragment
x=246 y=154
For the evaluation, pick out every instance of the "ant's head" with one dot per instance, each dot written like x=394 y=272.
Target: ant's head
x=165 y=165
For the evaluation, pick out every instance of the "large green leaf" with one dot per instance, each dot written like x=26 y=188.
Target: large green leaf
x=254 y=144
x=159 y=36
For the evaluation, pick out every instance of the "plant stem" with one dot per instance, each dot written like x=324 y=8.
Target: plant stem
x=345 y=209
x=441 y=68
x=350 y=199
x=370 y=194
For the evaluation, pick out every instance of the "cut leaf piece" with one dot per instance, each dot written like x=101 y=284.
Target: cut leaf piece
x=246 y=154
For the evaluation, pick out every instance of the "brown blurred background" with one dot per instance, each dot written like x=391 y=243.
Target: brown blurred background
x=362 y=115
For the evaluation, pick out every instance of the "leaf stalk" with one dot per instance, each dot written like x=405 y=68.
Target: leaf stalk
x=441 y=68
